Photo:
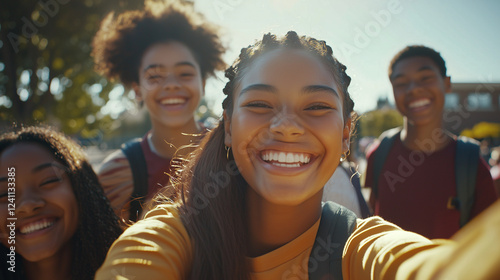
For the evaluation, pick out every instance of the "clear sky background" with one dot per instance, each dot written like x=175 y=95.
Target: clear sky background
x=366 y=34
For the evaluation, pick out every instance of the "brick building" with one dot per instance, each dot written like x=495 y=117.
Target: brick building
x=471 y=103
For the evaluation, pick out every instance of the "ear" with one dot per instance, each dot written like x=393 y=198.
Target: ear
x=137 y=90
x=447 y=84
x=346 y=135
x=227 y=129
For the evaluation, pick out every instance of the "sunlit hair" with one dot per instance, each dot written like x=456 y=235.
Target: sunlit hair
x=97 y=223
x=418 y=51
x=121 y=41
x=212 y=192
x=293 y=41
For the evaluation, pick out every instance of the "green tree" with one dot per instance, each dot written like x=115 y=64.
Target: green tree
x=375 y=122
x=46 y=72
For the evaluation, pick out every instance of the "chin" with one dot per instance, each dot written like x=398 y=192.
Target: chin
x=286 y=198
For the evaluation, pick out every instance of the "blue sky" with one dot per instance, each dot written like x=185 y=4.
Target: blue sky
x=366 y=34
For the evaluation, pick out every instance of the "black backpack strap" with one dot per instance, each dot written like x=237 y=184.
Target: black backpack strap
x=336 y=225
x=380 y=155
x=133 y=151
x=466 y=161
x=354 y=177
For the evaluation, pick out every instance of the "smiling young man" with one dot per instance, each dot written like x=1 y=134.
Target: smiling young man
x=413 y=178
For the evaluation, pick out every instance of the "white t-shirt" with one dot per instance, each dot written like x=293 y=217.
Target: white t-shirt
x=339 y=189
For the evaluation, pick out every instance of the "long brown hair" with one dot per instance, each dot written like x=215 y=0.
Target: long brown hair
x=211 y=190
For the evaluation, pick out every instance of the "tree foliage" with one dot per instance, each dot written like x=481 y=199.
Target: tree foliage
x=375 y=122
x=46 y=72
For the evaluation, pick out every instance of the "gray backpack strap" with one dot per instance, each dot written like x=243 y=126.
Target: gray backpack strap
x=336 y=225
x=466 y=161
x=380 y=155
x=133 y=151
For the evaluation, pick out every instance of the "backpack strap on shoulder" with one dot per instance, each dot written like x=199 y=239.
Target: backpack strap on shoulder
x=133 y=151
x=466 y=161
x=336 y=225
x=381 y=153
x=350 y=169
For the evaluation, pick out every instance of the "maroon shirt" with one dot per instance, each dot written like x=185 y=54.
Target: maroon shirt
x=158 y=168
x=414 y=189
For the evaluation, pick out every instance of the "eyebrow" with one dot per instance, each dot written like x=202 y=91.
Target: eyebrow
x=39 y=168
x=423 y=68
x=259 y=87
x=305 y=90
x=316 y=88
x=47 y=165
x=182 y=63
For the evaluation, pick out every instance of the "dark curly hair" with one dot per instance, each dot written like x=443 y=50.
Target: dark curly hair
x=212 y=192
x=418 y=50
x=121 y=41
x=97 y=223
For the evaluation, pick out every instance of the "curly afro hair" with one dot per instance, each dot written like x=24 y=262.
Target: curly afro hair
x=121 y=41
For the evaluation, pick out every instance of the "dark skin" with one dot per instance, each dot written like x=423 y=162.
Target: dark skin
x=419 y=91
x=287 y=131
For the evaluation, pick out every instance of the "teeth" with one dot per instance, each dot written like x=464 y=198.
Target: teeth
x=286 y=165
x=173 y=101
x=419 y=103
x=35 y=226
x=282 y=157
x=285 y=159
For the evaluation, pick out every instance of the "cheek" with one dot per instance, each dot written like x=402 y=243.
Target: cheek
x=147 y=88
x=248 y=132
x=70 y=206
x=4 y=231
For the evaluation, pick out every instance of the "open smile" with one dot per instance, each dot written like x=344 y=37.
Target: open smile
x=419 y=105
x=173 y=101
x=37 y=227
x=285 y=159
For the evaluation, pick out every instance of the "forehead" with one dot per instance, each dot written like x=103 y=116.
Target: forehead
x=168 y=54
x=414 y=64
x=293 y=67
x=26 y=155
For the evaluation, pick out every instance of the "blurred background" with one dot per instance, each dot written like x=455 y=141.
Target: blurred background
x=46 y=72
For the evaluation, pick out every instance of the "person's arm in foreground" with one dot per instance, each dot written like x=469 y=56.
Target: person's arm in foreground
x=379 y=250
x=157 y=247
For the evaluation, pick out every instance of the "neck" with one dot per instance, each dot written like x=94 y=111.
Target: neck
x=167 y=140
x=426 y=138
x=57 y=267
x=271 y=226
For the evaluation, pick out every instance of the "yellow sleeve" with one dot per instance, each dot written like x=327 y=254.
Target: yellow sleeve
x=472 y=253
x=380 y=250
x=157 y=247
x=375 y=244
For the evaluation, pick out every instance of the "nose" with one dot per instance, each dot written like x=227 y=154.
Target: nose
x=286 y=124
x=28 y=202
x=171 y=82
x=414 y=87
